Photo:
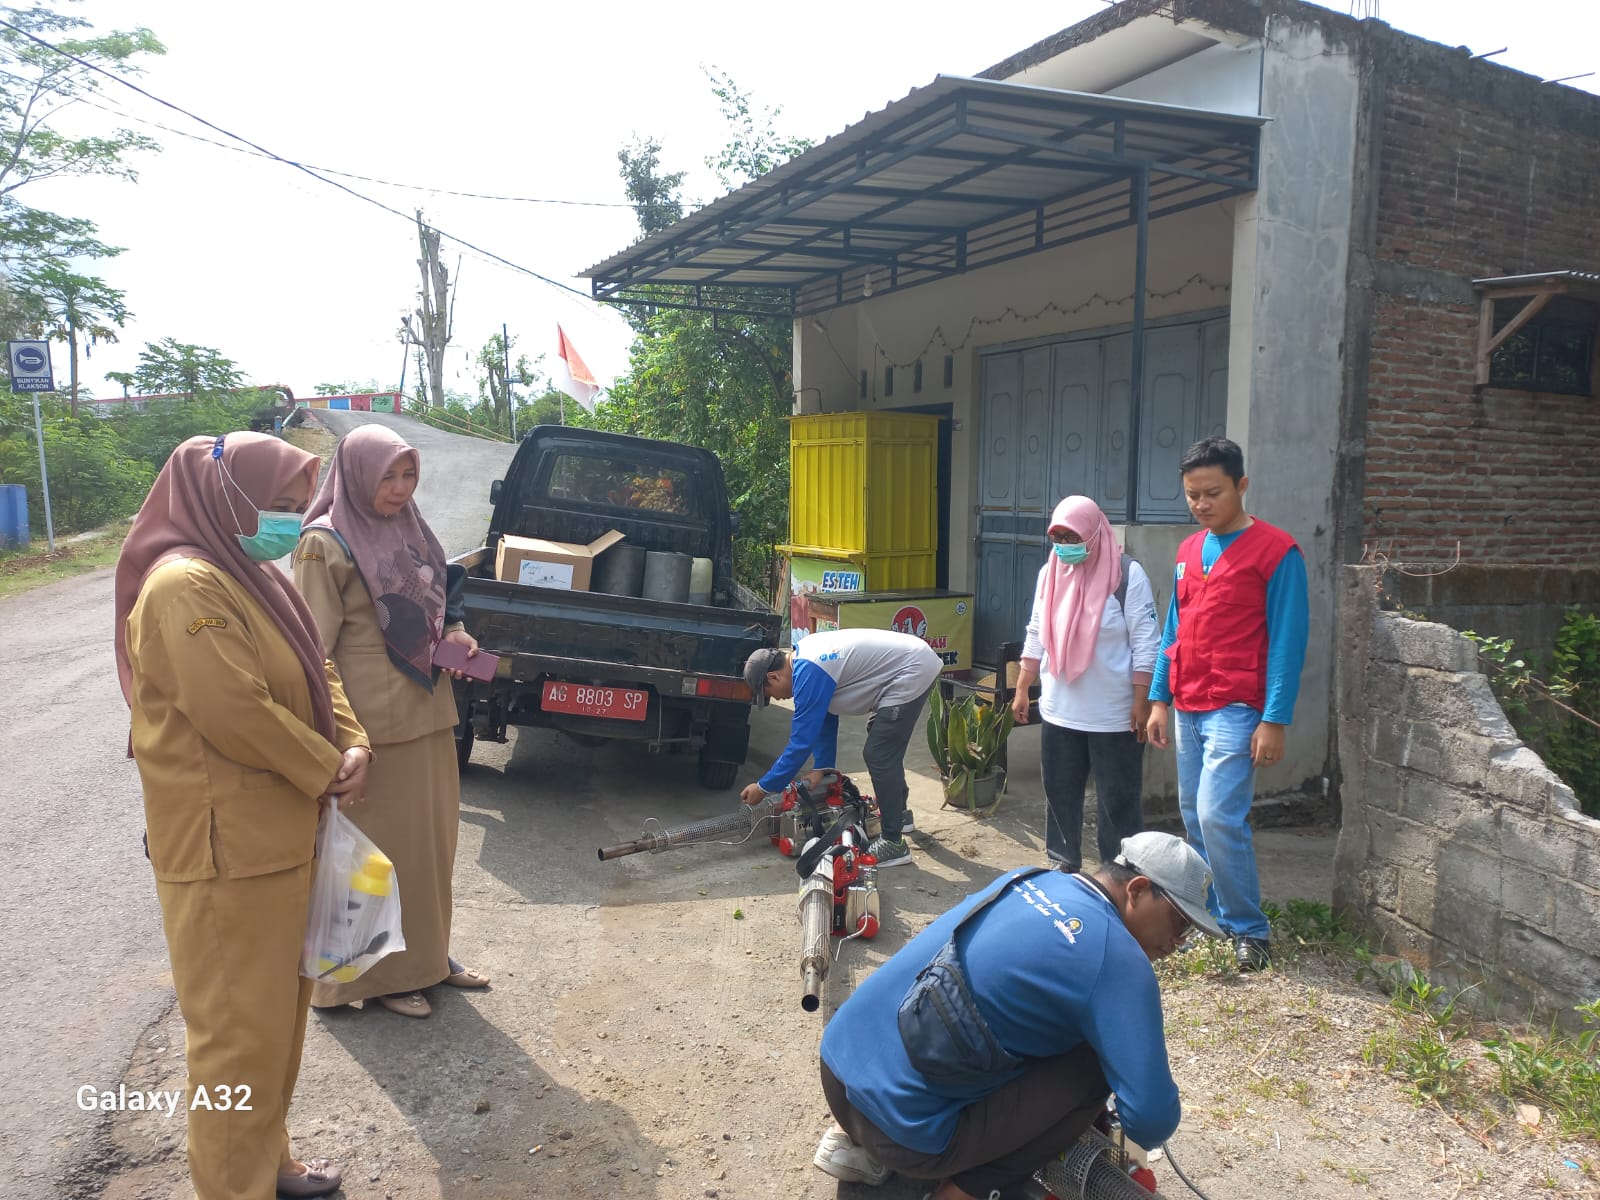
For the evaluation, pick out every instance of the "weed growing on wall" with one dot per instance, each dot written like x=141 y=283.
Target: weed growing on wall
x=1560 y=717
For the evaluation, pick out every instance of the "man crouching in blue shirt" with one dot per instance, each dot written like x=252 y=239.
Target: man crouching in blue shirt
x=988 y=1044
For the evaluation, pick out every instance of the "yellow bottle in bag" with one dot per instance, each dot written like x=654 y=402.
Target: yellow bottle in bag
x=374 y=877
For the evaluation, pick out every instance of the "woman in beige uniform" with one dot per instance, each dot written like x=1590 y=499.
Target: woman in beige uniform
x=373 y=575
x=240 y=727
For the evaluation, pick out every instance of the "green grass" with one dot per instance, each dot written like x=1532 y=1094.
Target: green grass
x=1442 y=1052
x=23 y=570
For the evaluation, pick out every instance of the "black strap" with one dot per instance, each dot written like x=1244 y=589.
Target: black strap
x=1122 y=588
x=849 y=814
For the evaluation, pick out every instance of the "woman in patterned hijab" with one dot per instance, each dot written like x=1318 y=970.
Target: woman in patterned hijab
x=373 y=575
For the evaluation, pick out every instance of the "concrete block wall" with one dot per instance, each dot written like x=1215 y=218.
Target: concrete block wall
x=1459 y=848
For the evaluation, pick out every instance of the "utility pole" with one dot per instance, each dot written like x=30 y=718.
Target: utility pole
x=44 y=477
x=505 y=377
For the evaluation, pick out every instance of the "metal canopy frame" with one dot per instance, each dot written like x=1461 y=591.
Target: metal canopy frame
x=958 y=175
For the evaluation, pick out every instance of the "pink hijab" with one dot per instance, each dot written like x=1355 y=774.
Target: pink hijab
x=1073 y=597
x=398 y=557
x=187 y=515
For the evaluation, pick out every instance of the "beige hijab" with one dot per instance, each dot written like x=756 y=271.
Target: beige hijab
x=187 y=515
x=398 y=557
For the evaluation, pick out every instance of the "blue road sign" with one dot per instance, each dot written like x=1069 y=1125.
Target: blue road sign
x=30 y=366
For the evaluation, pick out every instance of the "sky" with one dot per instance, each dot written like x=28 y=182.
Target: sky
x=302 y=284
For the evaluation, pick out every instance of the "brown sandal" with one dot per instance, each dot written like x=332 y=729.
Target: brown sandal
x=464 y=977
x=407 y=1004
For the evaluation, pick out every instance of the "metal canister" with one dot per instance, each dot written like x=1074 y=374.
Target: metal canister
x=861 y=911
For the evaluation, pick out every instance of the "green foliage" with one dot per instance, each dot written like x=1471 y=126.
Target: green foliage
x=102 y=468
x=1555 y=1071
x=171 y=366
x=496 y=386
x=1309 y=925
x=654 y=193
x=721 y=382
x=1427 y=1048
x=1511 y=678
x=152 y=435
x=36 y=83
x=966 y=737
x=1571 y=735
x=1560 y=718
x=92 y=480
x=80 y=310
x=755 y=146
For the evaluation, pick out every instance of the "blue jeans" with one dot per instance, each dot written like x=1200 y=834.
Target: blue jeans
x=1216 y=786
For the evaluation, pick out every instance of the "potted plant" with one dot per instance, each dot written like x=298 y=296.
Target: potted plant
x=967 y=736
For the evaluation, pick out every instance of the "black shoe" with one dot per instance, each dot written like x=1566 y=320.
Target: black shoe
x=1252 y=954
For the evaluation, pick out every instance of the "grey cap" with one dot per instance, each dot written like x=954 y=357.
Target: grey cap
x=1177 y=869
x=756 y=668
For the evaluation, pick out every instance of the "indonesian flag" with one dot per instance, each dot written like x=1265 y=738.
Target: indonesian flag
x=572 y=374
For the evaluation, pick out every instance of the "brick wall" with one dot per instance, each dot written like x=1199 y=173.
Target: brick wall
x=1480 y=172
x=1458 y=848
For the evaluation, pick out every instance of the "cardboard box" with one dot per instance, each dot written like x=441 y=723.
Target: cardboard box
x=538 y=563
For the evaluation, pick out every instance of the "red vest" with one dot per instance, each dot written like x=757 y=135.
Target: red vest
x=1220 y=654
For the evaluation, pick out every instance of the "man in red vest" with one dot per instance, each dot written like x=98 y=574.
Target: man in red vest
x=1229 y=669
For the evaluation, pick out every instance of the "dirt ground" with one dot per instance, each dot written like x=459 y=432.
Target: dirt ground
x=644 y=1036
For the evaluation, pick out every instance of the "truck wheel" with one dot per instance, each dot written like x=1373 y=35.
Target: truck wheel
x=464 y=741
x=718 y=776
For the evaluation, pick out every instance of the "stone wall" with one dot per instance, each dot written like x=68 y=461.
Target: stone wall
x=1459 y=849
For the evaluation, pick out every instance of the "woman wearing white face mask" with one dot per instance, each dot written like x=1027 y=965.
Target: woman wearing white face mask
x=239 y=727
x=1092 y=641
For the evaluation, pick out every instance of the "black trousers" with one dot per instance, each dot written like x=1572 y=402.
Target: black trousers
x=1001 y=1138
x=889 y=732
x=1066 y=757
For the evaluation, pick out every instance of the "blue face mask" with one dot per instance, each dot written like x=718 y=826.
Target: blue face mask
x=1071 y=553
x=276 y=535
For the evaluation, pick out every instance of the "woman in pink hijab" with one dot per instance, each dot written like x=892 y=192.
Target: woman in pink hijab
x=1091 y=641
x=374 y=577
x=240 y=727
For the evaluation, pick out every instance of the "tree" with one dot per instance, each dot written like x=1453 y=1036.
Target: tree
x=721 y=382
x=37 y=83
x=75 y=309
x=752 y=150
x=493 y=389
x=173 y=366
x=654 y=194
x=125 y=378
x=430 y=327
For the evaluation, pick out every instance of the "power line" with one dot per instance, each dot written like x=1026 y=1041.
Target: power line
x=119 y=111
x=262 y=150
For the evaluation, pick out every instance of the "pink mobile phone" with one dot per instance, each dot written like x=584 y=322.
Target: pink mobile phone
x=452 y=656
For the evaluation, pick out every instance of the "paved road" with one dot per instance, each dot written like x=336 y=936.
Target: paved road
x=88 y=968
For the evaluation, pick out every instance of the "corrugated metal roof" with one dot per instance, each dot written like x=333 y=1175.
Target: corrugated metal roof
x=960 y=174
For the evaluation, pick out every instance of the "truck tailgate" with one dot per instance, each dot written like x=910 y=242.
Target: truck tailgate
x=619 y=630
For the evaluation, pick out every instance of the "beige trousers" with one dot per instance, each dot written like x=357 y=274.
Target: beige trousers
x=235 y=950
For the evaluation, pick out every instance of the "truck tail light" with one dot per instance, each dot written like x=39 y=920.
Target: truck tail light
x=722 y=689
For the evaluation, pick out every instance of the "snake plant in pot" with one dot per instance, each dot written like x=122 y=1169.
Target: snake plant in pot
x=966 y=736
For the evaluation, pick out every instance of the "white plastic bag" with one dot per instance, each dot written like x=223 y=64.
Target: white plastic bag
x=355 y=904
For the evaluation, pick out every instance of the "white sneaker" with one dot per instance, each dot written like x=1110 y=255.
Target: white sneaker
x=843 y=1159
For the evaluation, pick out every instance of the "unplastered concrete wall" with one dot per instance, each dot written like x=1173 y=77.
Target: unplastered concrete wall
x=1291 y=244
x=1459 y=848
